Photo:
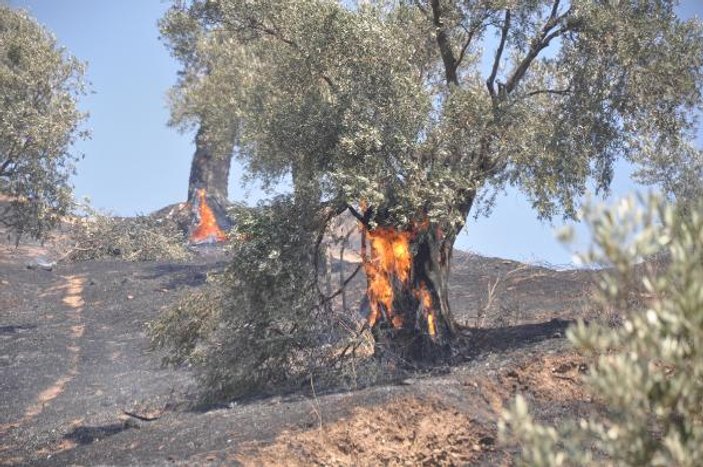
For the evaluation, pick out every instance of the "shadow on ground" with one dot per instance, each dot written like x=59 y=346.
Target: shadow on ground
x=90 y=434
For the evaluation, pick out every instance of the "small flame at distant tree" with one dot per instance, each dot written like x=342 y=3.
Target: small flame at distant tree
x=207 y=230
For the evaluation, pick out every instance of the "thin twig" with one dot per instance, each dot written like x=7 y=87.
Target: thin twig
x=316 y=407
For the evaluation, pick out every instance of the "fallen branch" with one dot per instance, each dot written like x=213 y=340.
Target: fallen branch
x=141 y=417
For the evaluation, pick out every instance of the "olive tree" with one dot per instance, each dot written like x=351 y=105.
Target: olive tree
x=213 y=149
x=39 y=122
x=647 y=372
x=384 y=109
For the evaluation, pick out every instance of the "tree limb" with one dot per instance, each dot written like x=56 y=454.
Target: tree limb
x=276 y=34
x=4 y=167
x=445 y=47
x=363 y=218
x=539 y=43
x=549 y=91
x=470 y=36
x=421 y=6
x=555 y=8
x=344 y=284
x=499 y=53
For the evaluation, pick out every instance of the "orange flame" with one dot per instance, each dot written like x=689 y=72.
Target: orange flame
x=389 y=261
x=207 y=229
x=425 y=298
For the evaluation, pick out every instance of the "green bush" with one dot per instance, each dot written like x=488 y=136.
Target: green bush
x=648 y=372
x=264 y=325
x=185 y=326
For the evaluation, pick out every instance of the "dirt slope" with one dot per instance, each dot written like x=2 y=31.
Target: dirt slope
x=74 y=361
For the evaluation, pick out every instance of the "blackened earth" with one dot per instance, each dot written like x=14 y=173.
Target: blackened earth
x=79 y=385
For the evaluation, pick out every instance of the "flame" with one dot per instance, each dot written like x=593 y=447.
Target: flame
x=388 y=259
x=425 y=298
x=207 y=229
x=431 y=327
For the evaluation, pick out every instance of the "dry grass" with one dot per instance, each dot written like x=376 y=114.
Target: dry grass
x=409 y=431
x=140 y=238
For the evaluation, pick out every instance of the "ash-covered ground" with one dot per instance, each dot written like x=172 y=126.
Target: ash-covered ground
x=78 y=384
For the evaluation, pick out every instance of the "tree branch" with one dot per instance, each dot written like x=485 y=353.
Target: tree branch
x=276 y=34
x=539 y=43
x=555 y=8
x=363 y=218
x=4 y=167
x=549 y=91
x=345 y=283
x=499 y=53
x=476 y=26
x=445 y=47
x=421 y=6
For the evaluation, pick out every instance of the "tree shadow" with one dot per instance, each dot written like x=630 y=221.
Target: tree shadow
x=16 y=329
x=90 y=434
x=184 y=275
x=473 y=342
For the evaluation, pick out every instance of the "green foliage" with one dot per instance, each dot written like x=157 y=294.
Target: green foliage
x=264 y=325
x=386 y=101
x=186 y=326
x=679 y=174
x=140 y=238
x=649 y=370
x=385 y=105
x=39 y=122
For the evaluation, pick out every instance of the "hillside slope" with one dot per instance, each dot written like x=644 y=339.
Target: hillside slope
x=78 y=384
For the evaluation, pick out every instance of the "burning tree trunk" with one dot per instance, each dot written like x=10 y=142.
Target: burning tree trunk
x=407 y=274
x=209 y=169
x=207 y=190
x=210 y=222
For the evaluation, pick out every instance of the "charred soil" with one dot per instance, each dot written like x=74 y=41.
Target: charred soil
x=78 y=384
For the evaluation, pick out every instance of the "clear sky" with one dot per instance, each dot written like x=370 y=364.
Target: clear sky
x=134 y=163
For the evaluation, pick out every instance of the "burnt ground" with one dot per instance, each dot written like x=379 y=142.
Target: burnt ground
x=78 y=384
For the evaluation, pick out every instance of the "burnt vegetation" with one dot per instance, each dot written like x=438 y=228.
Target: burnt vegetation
x=139 y=238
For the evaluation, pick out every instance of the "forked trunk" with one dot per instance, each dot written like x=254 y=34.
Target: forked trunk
x=407 y=291
x=209 y=169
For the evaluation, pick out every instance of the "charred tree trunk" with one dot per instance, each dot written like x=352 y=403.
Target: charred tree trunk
x=407 y=294
x=419 y=325
x=210 y=168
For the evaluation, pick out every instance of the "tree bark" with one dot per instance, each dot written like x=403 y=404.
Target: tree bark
x=209 y=169
x=419 y=326
x=407 y=275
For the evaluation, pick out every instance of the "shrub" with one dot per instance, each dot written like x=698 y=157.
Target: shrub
x=648 y=371
x=185 y=326
x=265 y=325
x=140 y=238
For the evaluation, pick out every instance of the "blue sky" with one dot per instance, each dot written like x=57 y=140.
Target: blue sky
x=135 y=163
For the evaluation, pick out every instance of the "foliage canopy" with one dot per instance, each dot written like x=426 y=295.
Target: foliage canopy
x=418 y=107
x=39 y=122
x=414 y=113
